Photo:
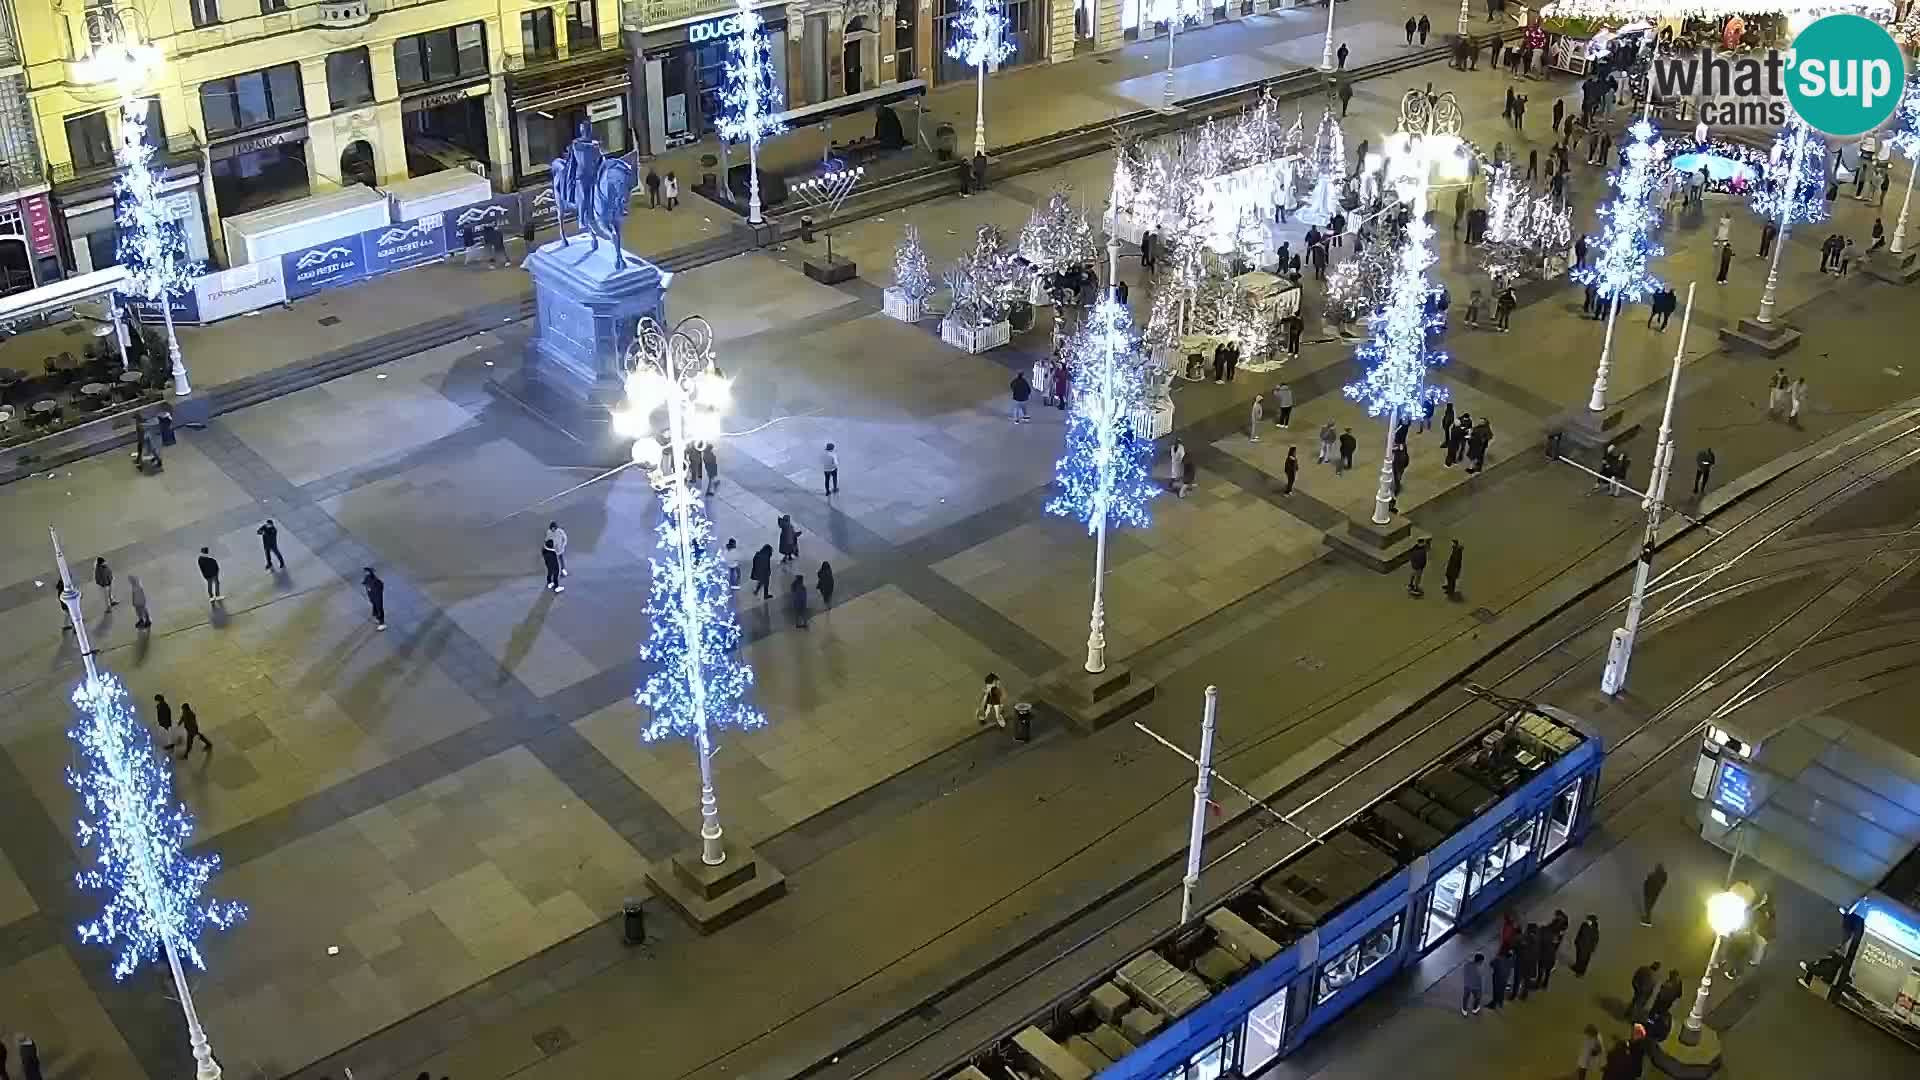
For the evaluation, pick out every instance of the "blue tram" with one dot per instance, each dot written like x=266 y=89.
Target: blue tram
x=1235 y=991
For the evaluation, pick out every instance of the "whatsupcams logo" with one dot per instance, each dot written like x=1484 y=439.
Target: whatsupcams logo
x=1842 y=77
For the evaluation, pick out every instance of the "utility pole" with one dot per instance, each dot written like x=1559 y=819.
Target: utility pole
x=1202 y=788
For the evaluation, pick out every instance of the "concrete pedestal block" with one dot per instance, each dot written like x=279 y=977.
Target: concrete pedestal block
x=1381 y=547
x=1893 y=269
x=831 y=270
x=193 y=411
x=1764 y=339
x=1584 y=429
x=1089 y=701
x=1682 y=1061
x=712 y=896
x=588 y=309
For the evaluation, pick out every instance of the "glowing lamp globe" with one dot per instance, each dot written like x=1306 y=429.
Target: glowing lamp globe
x=704 y=426
x=646 y=390
x=629 y=423
x=1726 y=913
x=712 y=391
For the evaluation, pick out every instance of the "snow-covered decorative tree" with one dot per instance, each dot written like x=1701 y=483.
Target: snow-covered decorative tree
x=1358 y=285
x=1398 y=354
x=1250 y=242
x=150 y=244
x=910 y=272
x=1294 y=142
x=1794 y=191
x=750 y=101
x=982 y=38
x=1329 y=172
x=1058 y=237
x=986 y=282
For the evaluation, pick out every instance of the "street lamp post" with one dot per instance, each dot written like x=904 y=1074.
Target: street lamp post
x=1463 y=18
x=1202 y=794
x=1899 y=244
x=1788 y=197
x=1326 y=48
x=1726 y=913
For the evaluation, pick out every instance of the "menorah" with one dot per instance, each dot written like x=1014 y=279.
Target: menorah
x=826 y=192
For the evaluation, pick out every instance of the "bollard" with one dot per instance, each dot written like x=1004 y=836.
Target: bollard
x=633 y=923
x=1023 y=722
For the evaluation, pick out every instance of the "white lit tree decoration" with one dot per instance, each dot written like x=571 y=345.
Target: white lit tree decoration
x=1523 y=228
x=151 y=245
x=1058 y=237
x=1397 y=355
x=1793 y=192
x=1906 y=142
x=986 y=282
x=1622 y=269
x=911 y=274
x=750 y=102
x=1359 y=284
x=696 y=684
x=151 y=889
x=1329 y=172
x=1105 y=476
x=981 y=39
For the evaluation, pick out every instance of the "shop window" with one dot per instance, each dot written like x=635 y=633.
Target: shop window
x=269 y=7
x=536 y=35
x=583 y=26
x=205 y=12
x=1443 y=908
x=457 y=52
x=93 y=139
x=349 y=78
x=258 y=97
x=1266 y=1033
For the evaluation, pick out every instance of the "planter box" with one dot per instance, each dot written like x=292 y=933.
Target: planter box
x=898 y=305
x=975 y=339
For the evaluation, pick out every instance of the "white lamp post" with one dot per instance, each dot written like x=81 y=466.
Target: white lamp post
x=980 y=40
x=1202 y=793
x=1726 y=913
x=1790 y=208
x=1173 y=13
x=1326 y=48
x=1899 y=244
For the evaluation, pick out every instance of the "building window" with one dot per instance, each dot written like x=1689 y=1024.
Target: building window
x=269 y=7
x=93 y=138
x=458 y=52
x=205 y=12
x=349 y=78
x=536 y=35
x=906 y=22
x=583 y=26
x=253 y=99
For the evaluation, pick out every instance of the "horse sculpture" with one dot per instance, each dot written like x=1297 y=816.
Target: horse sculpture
x=611 y=199
x=596 y=189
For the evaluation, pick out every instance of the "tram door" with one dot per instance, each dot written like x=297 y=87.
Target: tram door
x=1561 y=816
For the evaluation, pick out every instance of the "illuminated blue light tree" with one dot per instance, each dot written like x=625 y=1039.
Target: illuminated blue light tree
x=1905 y=140
x=751 y=100
x=696 y=683
x=1105 y=476
x=1622 y=271
x=1795 y=191
x=151 y=889
x=1398 y=354
x=981 y=40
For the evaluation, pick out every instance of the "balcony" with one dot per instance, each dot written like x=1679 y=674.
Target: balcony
x=343 y=13
x=183 y=147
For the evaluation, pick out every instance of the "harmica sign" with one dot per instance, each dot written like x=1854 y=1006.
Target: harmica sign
x=1842 y=76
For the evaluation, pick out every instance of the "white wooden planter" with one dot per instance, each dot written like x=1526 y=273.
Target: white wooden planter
x=975 y=339
x=899 y=305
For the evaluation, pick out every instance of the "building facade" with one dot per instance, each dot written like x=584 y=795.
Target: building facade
x=29 y=249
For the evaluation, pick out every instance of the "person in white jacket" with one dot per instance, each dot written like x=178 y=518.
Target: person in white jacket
x=559 y=537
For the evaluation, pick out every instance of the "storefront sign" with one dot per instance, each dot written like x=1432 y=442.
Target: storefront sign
x=542 y=207
x=222 y=151
x=713 y=30
x=442 y=97
x=1734 y=791
x=337 y=262
x=39 y=217
x=664 y=12
x=605 y=109
x=227 y=293
x=502 y=211
x=409 y=243
x=186 y=308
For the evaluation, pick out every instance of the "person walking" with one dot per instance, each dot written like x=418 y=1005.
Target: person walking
x=1723 y=231
x=696 y=468
x=1447 y=420
x=1022 y=390
x=1591 y=1052
x=993 y=703
x=1726 y=263
x=550 y=556
x=1473 y=984
x=1340 y=57
x=137 y=595
x=730 y=554
x=670 y=189
x=376 y=596
x=1645 y=980
x=1329 y=436
x=1585 y=940
x=1399 y=463
x=190 y=730
x=1254 y=415
x=210 y=571
x=1346 y=88
x=1503 y=310
x=1527 y=967
x=1477 y=444
x=1777 y=385
x=1425 y=28
x=1559 y=112
x=163 y=719
x=653 y=190
x=789 y=539
x=1702 y=469
x=1412 y=27
x=1796 y=400
x=797 y=601
x=1502 y=971
x=1620 y=467
x=762 y=572
x=711 y=465
x=269 y=534
x=1291 y=467
x=1176 y=461
x=1455 y=559
x=558 y=536
x=1418 y=562
x=1283 y=406
x=1650 y=890
x=1768 y=233
x=830 y=469
x=1348 y=444
x=1669 y=992
x=1879 y=236
x=103 y=577
x=823 y=581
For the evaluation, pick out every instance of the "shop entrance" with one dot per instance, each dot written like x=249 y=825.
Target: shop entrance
x=855 y=38
x=356 y=164
x=446 y=136
x=16 y=265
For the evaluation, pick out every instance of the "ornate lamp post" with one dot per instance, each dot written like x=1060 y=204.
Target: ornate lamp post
x=1726 y=913
x=1326 y=47
x=1797 y=196
x=1906 y=141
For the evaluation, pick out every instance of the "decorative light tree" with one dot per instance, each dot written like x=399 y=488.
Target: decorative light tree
x=1794 y=192
x=696 y=684
x=137 y=831
x=1058 y=237
x=981 y=39
x=1906 y=142
x=912 y=278
x=1522 y=228
x=1105 y=476
x=1397 y=356
x=1622 y=269
x=750 y=102
x=1359 y=284
x=1329 y=172
x=1174 y=13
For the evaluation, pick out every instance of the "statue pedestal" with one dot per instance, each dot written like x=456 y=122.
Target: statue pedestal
x=587 y=313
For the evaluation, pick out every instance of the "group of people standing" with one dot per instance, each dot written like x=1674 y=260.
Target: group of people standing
x=1786 y=396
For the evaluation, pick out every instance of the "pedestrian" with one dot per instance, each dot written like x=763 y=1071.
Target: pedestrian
x=1645 y=981
x=671 y=189
x=1762 y=926
x=1177 y=459
x=1477 y=443
x=1778 y=388
x=1348 y=444
x=558 y=536
x=695 y=468
x=1475 y=302
x=1283 y=406
x=993 y=702
x=1527 y=969
x=210 y=570
x=653 y=190
x=165 y=421
x=1591 y=1052
x=137 y=595
x=1399 y=461
x=1669 y=992
x=1254 y=415
x=1590 y=301
x=1425 y=419
x=1650 y=890
x=1425 y=29
x=730 y=554
x=762 y=572
x=1723 y=231
x=1551 y=937
x=1295 y=326
x=376 y=596
x=1619 y=1064
x=1022 y=390
x=1473 y=982
x=1418 y=562
x=1328 y=437
x=1559 y=112
x=550 y=556
x=1620 y=468
x=830 y=469
x=1455 y=559
x=1580 y=250
x=1346 y=88
x=1533 y=165
x=1503 y=310
x=163 y=718
x=1340 y=55
x=190 y=730
x=1502 y=971
x=1702 y=469
x=1459 y=210
x=1796 y=400
x=1412 y=27
x=1447 y=420
x=1879 y=236
x=823 y=581
x=103 y=577
x=789 y=539
x=1291 y=466
x=797 y=601
x=270 y=543
x=711 y=465
x=1585 y=940
x=1146 y=250
x=1768 y=233
x=1060 y=386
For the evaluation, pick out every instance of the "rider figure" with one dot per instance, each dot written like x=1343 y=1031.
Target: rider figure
x=583 y=175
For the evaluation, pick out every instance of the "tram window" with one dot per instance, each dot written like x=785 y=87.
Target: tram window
x=1338 y=972
x=1443 y=910
x=1560 y=817
x=1210 y=1063
x=1266 y=1033
x=1379 y=945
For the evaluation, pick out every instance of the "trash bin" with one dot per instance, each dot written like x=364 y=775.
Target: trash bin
x=1023 y=722
x=633 y=923
x=806 y=228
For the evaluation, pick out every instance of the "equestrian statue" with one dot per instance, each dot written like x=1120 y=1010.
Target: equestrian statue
x=596 y=188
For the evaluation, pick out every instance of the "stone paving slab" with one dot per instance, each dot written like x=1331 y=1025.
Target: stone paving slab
x=46 y=996
x=15 y=902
